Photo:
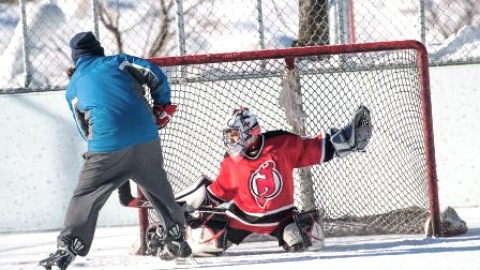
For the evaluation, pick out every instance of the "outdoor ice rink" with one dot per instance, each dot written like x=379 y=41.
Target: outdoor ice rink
x=41 y=151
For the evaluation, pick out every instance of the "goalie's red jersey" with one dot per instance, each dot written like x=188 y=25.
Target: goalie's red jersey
x=261 y=188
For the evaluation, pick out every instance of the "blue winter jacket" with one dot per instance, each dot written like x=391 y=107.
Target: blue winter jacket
x=106 y=97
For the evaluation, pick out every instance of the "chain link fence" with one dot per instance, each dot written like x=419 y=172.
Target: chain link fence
x=35 y=54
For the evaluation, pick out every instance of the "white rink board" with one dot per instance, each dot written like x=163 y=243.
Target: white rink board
x=41 y=152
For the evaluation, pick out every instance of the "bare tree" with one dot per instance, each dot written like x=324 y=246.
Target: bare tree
x=110 y=19
x=161 y=29
x=165 y=25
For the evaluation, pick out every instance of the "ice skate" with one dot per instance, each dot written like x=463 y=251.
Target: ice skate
x=61 y=259
x=174 y=245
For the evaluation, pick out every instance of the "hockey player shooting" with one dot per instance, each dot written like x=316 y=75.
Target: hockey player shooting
x=255 y=184
x=105 y=96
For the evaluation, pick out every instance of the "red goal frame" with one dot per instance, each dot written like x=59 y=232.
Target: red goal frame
x=289 y=54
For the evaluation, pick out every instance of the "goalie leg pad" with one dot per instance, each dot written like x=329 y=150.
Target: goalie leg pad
x=194 y=196
x=305 y=233
x=355 y=136
x=207 y=235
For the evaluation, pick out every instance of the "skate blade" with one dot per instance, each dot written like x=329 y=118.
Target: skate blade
x=186 y=261
x=39 y=267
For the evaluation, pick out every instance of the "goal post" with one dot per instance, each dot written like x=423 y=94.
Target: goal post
x=389 y=189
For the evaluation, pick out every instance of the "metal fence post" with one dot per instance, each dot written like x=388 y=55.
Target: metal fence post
x=260 y=25
x=422 y=21
x=25 y=45
x=180 y=27
x=343 y=7
x=332 y=22
x=95 y=15
x=339 y=14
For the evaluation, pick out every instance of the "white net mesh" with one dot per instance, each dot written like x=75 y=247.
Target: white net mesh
x=385 y=190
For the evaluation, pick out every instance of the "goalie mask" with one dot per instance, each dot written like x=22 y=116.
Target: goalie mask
x=241 y=130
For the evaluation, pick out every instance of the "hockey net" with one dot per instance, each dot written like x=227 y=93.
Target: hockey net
x=389 y=189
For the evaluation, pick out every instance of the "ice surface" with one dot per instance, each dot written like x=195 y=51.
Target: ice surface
x=111 y=246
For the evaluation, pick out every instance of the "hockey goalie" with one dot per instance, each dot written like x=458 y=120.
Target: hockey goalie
x=254 y=190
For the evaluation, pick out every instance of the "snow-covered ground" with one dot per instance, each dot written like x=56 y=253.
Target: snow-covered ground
x=111 y=246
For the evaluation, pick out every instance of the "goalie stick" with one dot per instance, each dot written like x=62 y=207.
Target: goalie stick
x=127 y=200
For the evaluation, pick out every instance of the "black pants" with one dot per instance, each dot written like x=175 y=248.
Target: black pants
x=103 y=173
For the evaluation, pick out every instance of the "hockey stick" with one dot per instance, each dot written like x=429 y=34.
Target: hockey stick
x=127 y=200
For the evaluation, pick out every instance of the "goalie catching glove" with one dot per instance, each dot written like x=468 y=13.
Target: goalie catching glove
x=354 y=136
x=163 y=114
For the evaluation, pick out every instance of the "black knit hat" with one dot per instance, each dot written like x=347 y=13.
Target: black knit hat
x=85 y=43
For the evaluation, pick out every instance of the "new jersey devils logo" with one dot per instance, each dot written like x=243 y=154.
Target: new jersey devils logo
x=265 y=183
